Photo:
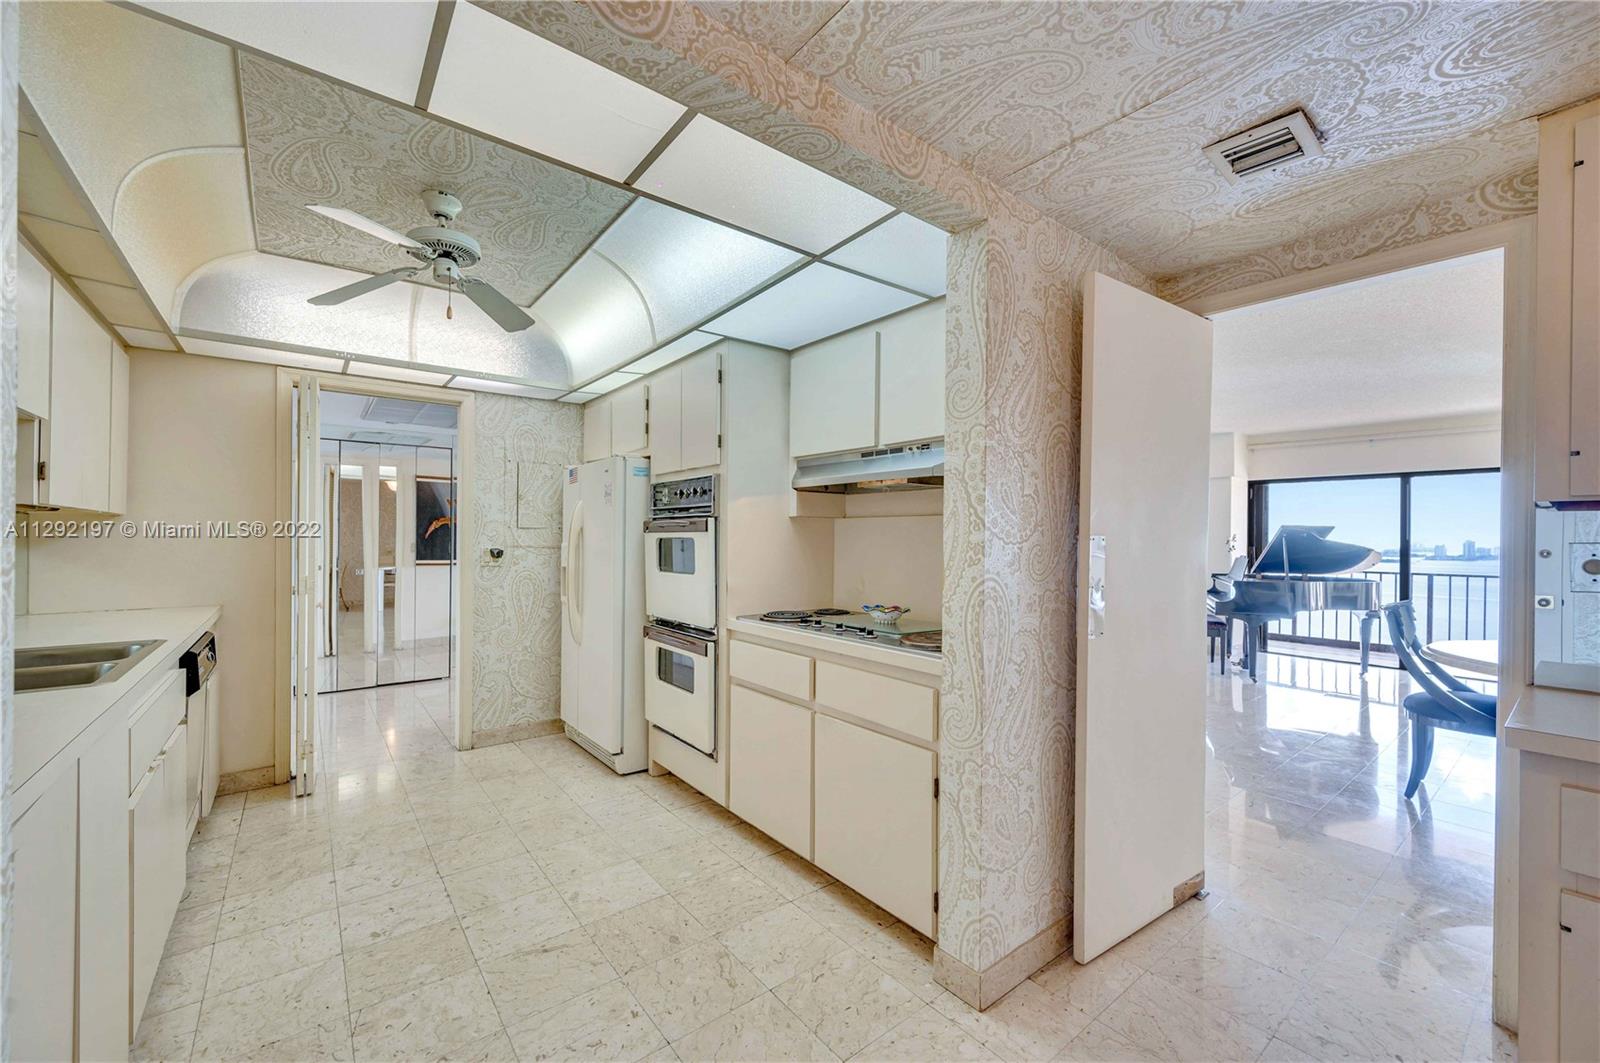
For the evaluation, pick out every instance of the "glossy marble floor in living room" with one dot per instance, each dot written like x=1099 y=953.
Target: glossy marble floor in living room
x=521 y=902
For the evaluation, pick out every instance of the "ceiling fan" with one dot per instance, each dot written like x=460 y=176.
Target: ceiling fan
x=447 y=251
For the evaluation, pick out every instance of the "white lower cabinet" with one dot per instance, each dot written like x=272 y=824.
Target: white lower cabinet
x=1580 y=978
x=158 y=819
x=769 y=767
x=103 y=1028
x=876 y=823
x=42 y=990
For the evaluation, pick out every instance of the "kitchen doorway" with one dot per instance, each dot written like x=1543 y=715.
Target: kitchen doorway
x=389 y=464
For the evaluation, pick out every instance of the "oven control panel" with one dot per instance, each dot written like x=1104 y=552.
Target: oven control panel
x=692 y=497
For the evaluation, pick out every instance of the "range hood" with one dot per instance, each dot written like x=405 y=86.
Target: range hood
x=913 y=468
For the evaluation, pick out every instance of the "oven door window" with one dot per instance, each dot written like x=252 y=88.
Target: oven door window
x=675 y=669
x=675 y=555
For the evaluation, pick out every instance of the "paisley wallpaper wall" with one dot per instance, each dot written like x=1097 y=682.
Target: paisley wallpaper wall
x=1510 y=195
x=522 y=446
x=1097 y=113
x=1011 y=446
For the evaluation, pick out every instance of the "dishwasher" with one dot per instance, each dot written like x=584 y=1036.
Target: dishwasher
x=204 y=711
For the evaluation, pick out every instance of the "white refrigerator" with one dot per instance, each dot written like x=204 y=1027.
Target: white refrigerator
x=604 y=505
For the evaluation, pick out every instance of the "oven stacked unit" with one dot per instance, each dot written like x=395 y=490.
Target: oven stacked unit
x=680 y=639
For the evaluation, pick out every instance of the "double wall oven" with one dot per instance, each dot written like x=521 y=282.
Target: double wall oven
x=680 y=599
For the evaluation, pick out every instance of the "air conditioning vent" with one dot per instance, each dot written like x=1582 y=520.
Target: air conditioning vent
x=409 y=411
x=1266 y=146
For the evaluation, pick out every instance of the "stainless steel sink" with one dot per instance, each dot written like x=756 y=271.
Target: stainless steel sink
x=56 y=667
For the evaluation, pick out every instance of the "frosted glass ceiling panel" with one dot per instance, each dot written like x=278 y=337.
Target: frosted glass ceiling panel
x=263 y=297
x=597 y=314
x=721 y=172
x=611 y=383
x=904 y=250
x=472 y=342
x=679 y=348
x=686 y=267
x=500 y=387
x=816 y=302
x=393 y=36
x=243 y=353
x=395 y=372
x=509 y=83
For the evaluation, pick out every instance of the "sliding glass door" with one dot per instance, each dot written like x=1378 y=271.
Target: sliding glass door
x=1438 y=534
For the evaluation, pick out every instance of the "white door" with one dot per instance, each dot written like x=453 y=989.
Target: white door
x=1139 y=802
x=308 y=490
x=571 y=631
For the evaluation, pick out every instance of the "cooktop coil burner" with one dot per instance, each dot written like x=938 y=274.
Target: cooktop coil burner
x=923 y=640
x=787 y=616
x=830 y=612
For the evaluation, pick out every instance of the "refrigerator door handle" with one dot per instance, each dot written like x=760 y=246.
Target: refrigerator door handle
x=573 y=573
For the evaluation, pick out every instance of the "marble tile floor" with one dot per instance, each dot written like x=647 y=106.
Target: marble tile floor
x=521 y=902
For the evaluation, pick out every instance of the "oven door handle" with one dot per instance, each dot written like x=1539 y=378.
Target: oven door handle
x=686 y=643
x=676 y=524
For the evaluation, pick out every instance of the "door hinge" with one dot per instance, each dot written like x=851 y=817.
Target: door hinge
x=936 y=788
x=719 y=440
x=41 y=470
x=935 y=902
x=719 y=372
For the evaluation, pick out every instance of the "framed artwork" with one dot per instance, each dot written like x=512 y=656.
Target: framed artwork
x=436 y=520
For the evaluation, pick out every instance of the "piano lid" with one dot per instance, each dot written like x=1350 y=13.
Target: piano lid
x=1306 y=550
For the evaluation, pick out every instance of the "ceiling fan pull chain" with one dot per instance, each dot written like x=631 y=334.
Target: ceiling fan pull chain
x=449 y=311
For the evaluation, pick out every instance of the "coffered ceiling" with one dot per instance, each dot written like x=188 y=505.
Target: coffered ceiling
x=1097 y=112
x=311 y=141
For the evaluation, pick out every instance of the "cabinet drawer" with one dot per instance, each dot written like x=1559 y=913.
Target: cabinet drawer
x=787 y=673
x=152 y=725
x=892 y=703
x=769 y=767
x=1580 y=830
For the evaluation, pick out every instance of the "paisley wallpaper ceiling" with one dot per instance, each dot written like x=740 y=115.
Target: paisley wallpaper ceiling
x=1097 y=112
x=310 y=141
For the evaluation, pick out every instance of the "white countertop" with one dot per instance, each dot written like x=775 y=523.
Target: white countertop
x=1558 y=723
x=46 y=721
x=910 y=660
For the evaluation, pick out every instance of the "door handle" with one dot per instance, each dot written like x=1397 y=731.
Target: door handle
x=571 y=581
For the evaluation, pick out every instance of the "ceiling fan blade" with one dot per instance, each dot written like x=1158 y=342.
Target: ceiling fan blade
x=506 y=314
x=366 y=225
x=362 y=287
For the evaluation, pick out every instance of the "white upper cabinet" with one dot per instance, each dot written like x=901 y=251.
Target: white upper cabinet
x=597 y=429
x=700 y=411
x=630 y=425
x=78 y=467
x=877 y=386
x=33 y=335
x=666 y=415
x=686 y=414
x=833 y=388
x=911 y=376
x=1567 y=300
x=118 y=501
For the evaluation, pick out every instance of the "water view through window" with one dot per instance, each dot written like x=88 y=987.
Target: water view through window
x=1442 y=549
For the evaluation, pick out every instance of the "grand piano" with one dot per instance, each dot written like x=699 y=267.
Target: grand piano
x=1300 y=571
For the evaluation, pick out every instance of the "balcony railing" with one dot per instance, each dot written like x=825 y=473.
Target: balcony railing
x=1449 y=605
